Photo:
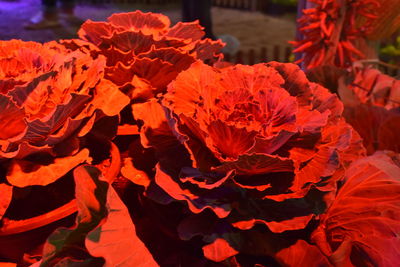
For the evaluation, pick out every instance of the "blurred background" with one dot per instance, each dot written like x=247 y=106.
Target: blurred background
x=255 y=30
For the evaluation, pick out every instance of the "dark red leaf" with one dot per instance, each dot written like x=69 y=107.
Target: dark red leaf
x=303 y=254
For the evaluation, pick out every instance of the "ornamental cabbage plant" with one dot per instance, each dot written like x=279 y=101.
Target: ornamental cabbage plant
x=259 y=146
x=50 y=100
x=144 y=53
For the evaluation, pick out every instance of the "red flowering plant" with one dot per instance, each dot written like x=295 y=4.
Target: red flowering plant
x=331 y=30
x=144 y=53
x=51 y=101
x=260 y=146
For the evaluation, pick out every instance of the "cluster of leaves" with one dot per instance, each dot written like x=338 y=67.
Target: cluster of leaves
x=349 y=233
x=374 y=96
x=231 y=165
x=370 y=86
x=51 y=100
x=336 y=35
x=357 y=230
x=263 y=149
x=331 y=30
x=144 y=53
x=60 y=108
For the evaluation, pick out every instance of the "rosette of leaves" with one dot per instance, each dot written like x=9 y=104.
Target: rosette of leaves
x=256 y=153
x=144 y=53
x=331 y=31
x=51 y=99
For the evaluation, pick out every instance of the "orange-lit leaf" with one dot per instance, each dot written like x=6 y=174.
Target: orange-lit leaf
x=115 y=238
x=133 y=174
x=20 y=174
x=6 y=195
x=219 y=250
x=103 y=224
x=302 y=254
x=148 y=23
x=186 y=30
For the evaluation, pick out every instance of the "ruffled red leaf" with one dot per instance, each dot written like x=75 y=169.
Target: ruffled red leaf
x=366 y=213
x=326 y=160
x=303 y=254
x=5 y=200
x=295 y=81
x=127 y=41
x=148 y=23
x=104 y=233
x=157 y=72
x=94 y=32
x=208 y=50
x=229 y=142
x=20 y=172
x=219 y=250
x=109 y=99
x=115 y=56
x=278 y=226
x=196 y=203
x=12 y=119
x=136 y=176
x=186 y=30
x=115 y=239
x=169 y=54
x=155 y=131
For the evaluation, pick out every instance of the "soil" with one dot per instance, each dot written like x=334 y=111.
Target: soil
x=253 y=29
